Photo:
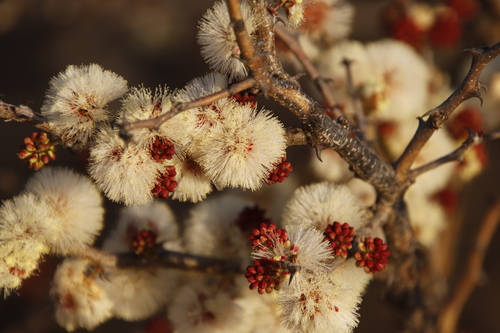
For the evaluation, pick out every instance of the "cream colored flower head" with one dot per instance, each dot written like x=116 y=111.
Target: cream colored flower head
x=76 y=102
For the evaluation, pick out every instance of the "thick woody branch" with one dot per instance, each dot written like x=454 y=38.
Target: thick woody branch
x=295 y=136
x=470 y=87
x=323 y=131
x=449 y=316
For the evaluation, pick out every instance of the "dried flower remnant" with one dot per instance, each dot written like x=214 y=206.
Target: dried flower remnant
x=38 y=150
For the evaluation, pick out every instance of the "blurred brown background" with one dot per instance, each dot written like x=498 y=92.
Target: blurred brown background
x=153 y=42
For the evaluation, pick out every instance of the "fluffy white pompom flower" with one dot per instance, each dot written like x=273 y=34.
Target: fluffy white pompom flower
x=403 y=76
x=76 y=208
x=194 y=123
x=79 y=297
x=319 y=306
x=218 y=42
x=242 y=152
x=24 y=223
x=77 y=99
x=142 y=104
x=211 y=229
x=305 y=252
x=192 y=183
x=144 y=230
x=204 y=307
x=330 y=20
x=322 y=204
x=155 y=217
x=125 y=173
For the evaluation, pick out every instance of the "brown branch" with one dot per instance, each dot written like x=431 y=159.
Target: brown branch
x=24 y=114
x=448 y=319
x=320 y=81
x=456 y=155
x=165 y=259
x=470 y=87
x=180 y=107
x=295 y=136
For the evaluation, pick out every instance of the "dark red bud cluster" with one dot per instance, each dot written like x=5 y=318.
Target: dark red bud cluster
x=166 y=184
x=267 y=235
x=144 y=242
x=251 y=217
x=372 y=254
x=162 y=149
x=340 y=237
x=280 y=172
x=266 y=275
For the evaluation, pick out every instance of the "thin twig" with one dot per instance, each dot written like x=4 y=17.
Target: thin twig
x=448 y=320
x=180 y=107
x=457 y=155
x=319 y=80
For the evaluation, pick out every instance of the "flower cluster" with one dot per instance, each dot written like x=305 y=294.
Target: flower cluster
x=37 y=150
x=47 y=217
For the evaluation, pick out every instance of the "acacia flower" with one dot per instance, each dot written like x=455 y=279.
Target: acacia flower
x=125 y=173
x=211 y=229
x=242 y=152
x=24 y=223
x=318 y=306
x=75 y=205
x=203 y=306
x=218 y=42
x=142 y=104
x=192 y=183
x=144 y=230
x=76 y=102
x=321 y=204
x=328 y=19
x=78 y=295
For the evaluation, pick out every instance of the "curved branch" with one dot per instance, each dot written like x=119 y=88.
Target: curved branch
x=470 y=87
